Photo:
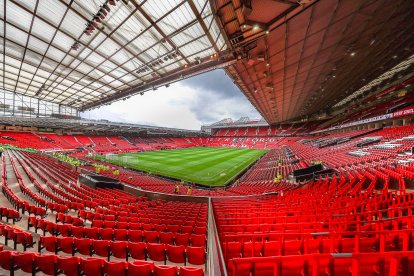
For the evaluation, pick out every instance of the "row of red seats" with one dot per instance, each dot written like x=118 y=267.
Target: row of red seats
x=9 y=214
x=43 y=161
x=164 y=227
x=123 y=250
x=31 y=262
x=42 y=191
x=387 y=263
x=14 y=200
x=67 y=230
x=144 y=212
x=281 y=244
x=16 y=235
x=64 y=200
x=26 y=191
x=396 y=223
x=79 y=203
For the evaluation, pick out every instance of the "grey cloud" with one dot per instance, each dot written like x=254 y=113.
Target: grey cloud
x=218 y=98
x=216 y=82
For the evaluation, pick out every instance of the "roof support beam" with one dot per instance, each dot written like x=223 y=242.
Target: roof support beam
x=203 y=24
x=287 y=2
x=49 y=44
x=155 y=25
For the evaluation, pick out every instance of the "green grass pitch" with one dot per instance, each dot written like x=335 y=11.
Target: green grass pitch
x=206 y=166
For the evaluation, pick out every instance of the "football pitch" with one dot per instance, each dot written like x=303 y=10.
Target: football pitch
x=206 y=166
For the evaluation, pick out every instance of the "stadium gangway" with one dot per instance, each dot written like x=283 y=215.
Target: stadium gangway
x=215 y=264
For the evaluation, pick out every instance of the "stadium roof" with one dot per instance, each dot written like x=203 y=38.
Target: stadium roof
x=86 y=53
x=306 y=56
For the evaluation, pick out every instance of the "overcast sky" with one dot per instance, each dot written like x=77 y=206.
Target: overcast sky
x=187 y=104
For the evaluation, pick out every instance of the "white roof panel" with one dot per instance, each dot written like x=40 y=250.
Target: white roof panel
x=80 y=49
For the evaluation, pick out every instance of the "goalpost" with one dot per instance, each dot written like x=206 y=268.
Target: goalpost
x=124 y=161
x=110 y=156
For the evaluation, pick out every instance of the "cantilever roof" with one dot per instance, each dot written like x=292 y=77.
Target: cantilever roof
x=304 y=57
x=83 y=53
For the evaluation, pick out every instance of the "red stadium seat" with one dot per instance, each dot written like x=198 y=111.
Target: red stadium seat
x=147 y=227
x=119 y=249
x=134 y=226
x=251 y=249
x=240 y=270
x=122 y=224
x=233 y=250
x=198 y=240
x=187 y=229
x=46 y=264
x=101 y=248
x=83 y=246
x=200 y=230
x=50 y=227
x=167 y=237
x=173 y=228
x=7 y=259
x=156 y=252
x=266 y=268
x=116 y=268
x=182 y=239
x=92 y=233
x=97 y=223
x=137 y=250
x=135 y=235
x=165 y=270
x=196 y=255
x=293 y=247
x=25 y=261
x=120 y=235
x=141 y=268
x=107 y=234
x=109 y=218
x=176 y=254
x=151 y=236
x=109 y=224
x=25 y=239
x=191 y=271
x=48 y=243
x=271 y=248
x=369 y=244
x=92 y=266
x=66 y=245
x=64 y=229
x=78 y=231
x=69 y=266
